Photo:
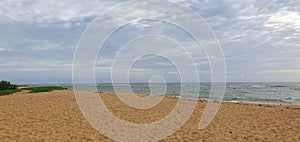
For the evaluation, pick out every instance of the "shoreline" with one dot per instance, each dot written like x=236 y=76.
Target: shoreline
x=248 y=92
x=201 y=99
x=55 y=116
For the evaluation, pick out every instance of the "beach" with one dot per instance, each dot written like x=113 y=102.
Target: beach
x=55 y=116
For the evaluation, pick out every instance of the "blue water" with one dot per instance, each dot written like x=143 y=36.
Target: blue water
x=250 y=92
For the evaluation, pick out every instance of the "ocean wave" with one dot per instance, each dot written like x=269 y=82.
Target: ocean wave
x=258 y=86
x=278 y=86
x=254 y=99
x=298 y=88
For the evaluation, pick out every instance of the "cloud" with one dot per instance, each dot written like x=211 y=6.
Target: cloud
x=291 y=71
x=5 y=49
x=61 y=13
x=259 y=38
x=28 y=65
x=284 y=19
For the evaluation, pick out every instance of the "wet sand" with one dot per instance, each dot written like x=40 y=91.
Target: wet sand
x=55 y=116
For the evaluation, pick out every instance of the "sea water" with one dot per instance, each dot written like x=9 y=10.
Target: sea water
x=249 y=92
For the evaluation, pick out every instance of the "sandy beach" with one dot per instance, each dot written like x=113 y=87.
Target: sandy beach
x=55 y=116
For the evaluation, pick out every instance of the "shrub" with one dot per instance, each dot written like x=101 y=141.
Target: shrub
x=5 y=85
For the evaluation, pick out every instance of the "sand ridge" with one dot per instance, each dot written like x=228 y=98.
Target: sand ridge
x=55 y=116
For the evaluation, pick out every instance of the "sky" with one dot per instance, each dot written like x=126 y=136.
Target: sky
x=259 y=40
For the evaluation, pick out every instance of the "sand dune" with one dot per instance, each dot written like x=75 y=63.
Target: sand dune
x=55 y=116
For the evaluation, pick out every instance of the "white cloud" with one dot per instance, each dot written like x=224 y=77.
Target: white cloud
x=286 y=71
x=42 y=44
x=256 y=36
x=5 y=49
x=284 y=19
x=50 y=12
x=31 y=65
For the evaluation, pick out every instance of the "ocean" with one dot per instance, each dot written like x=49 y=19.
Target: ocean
x=248 y=92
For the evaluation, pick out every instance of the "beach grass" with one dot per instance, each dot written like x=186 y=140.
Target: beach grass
x=43 y=89
x=7 y=92
x=32 y=89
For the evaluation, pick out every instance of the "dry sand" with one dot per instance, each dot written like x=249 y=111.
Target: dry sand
x=55 y=116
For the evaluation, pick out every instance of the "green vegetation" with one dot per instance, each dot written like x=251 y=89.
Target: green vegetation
x=6 y=88
x=7 y=92
x=43 y=89
x=5 y=85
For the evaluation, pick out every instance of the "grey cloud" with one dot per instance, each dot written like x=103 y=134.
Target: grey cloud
x=260 y=39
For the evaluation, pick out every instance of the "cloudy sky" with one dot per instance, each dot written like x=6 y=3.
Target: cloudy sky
x=260 y=40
